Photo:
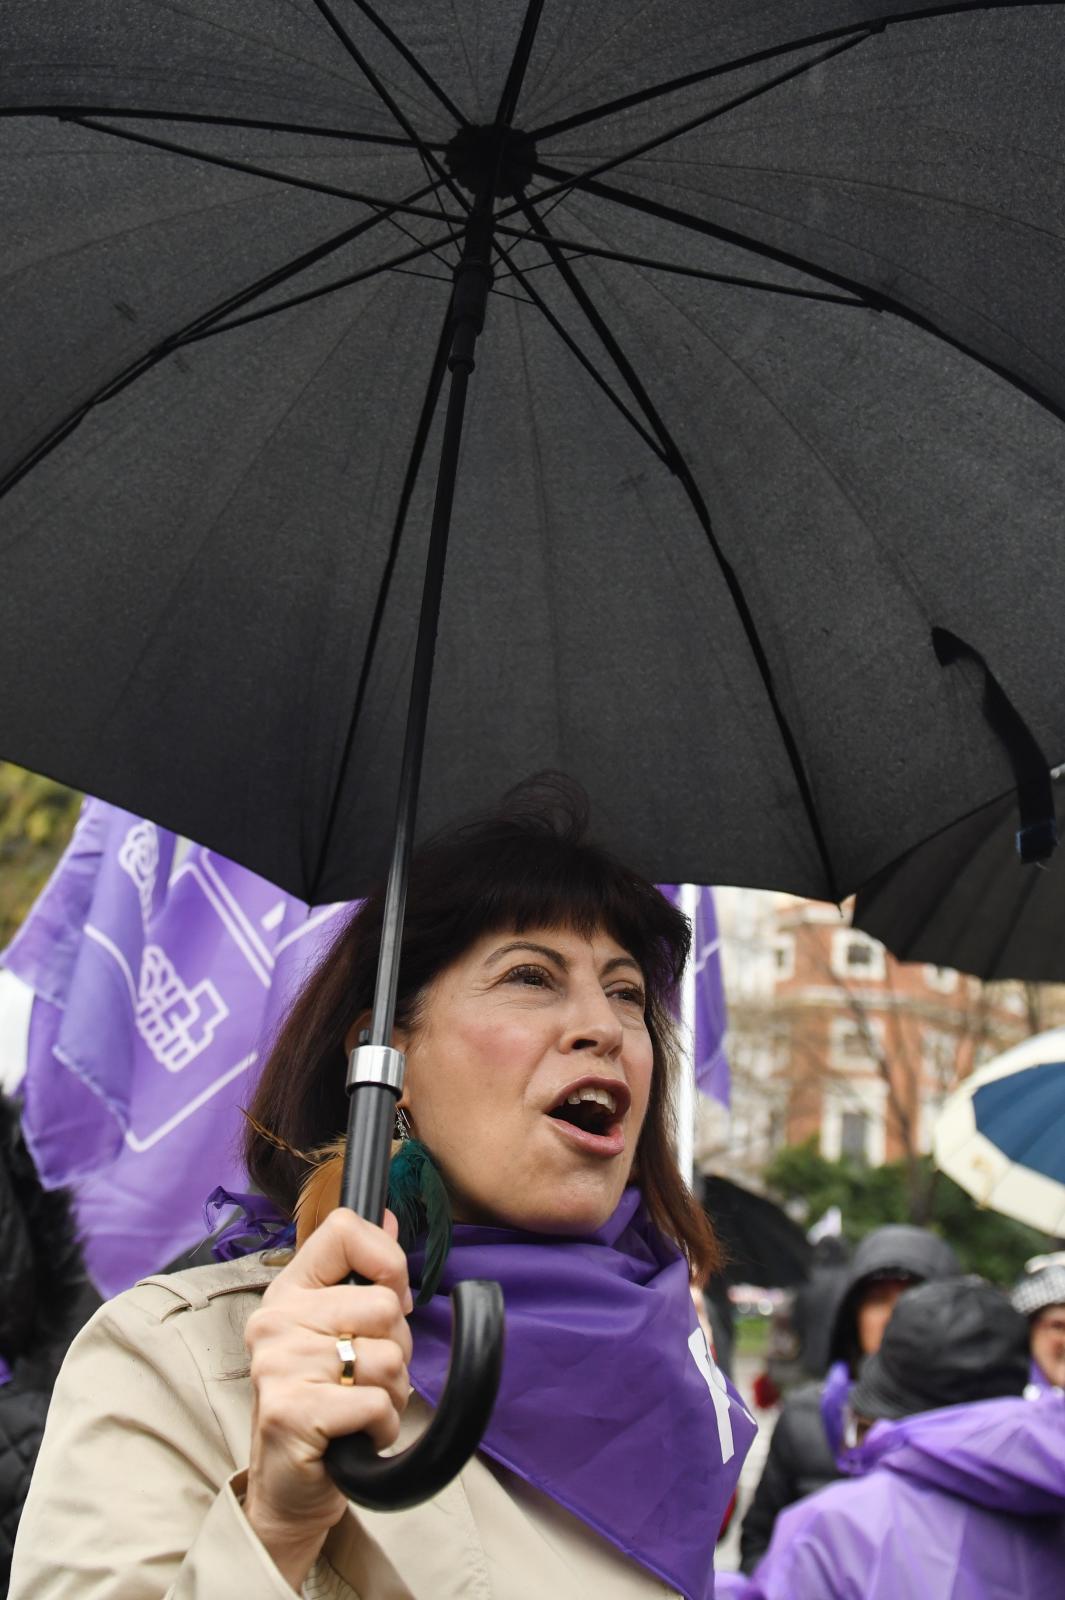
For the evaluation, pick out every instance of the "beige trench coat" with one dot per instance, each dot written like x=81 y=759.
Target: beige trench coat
x=137 y=1491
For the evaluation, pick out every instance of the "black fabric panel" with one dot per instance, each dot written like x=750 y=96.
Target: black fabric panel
x=963 y=899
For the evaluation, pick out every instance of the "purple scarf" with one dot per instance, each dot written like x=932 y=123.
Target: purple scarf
x=610 y=1401
x=835 y=1392
x=1038 y=1382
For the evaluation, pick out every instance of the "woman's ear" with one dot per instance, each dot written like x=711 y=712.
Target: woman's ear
x=400 y=1038
x=351 y=1038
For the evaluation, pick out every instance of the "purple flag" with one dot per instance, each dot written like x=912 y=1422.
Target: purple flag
x=711 y=1016
x=160 y=972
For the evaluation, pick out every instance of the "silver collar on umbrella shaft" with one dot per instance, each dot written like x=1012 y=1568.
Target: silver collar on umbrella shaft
x=377 y=1063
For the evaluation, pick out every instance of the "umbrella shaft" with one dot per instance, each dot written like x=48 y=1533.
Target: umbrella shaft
x=365 y=1179
x=384 y=1006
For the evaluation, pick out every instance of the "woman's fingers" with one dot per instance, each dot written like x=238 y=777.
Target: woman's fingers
x=338 y=1312
x=296 y=1417
x=379 y=1363
x=345 y=1243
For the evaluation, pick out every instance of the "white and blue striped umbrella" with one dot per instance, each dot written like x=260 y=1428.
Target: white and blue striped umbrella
x=1002 y=1134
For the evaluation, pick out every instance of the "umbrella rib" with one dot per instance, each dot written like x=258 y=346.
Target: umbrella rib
x=685 y=272
x=393 y=264
x=1014 y=921
x=115 y=384
x=428 y=155
x=875 y=299
x=255 y=171
x=685 y=476
x=689 y=79
x=755 y=93
x=586 y=362
x=412 y=61
x=202 y=119
x=508 y=100
x=421 y=436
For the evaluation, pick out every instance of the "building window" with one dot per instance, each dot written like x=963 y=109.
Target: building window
x=851 y=1042
x=854 y=1136
x=853 y=1121
x=855 y=956
x=943 y=979
x=940 y=1051
x=784 y=958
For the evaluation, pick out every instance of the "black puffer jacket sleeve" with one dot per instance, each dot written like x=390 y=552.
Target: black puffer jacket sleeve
x=22 y=1414
x=799 y=1462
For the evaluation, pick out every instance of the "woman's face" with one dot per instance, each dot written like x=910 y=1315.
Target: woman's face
x=504 y=1038
x=875 y=1308
x=1048 y=1343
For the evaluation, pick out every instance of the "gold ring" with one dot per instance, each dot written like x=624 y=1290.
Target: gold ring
x=346 y=1352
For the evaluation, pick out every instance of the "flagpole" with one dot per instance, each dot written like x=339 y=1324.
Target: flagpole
x=686 y=1097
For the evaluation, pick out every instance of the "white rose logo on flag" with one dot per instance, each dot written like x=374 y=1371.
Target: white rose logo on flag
x=139 y=856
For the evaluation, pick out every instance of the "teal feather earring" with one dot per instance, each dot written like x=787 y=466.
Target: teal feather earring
x=417 y=1196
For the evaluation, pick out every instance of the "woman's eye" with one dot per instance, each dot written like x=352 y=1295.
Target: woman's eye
x=535 y=977
x=632 y=996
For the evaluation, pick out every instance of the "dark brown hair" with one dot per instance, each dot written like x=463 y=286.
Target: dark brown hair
x=529 y=866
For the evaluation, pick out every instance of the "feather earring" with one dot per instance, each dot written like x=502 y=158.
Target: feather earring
x=417 y=1196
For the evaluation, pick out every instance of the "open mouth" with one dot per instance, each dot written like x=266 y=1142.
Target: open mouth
x=593 y=1109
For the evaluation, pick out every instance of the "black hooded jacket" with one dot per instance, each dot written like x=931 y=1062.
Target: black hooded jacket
x=44 y=1299
x=800 y=1459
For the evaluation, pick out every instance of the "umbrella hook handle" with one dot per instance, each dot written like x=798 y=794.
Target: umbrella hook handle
x=393 y=1483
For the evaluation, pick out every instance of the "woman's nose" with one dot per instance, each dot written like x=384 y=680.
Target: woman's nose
x=593 y=1025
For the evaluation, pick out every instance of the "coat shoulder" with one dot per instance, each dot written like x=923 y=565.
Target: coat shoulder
x=194 y=1289
x=205 y=1308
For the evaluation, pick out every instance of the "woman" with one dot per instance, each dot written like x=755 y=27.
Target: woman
x=1040 y=1296
x=533 y=1010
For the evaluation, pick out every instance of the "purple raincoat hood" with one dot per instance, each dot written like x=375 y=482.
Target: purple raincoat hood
x=967 y=1503
x=1007 y=1455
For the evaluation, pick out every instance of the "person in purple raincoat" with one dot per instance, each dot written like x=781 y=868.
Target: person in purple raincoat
x=183 y=1453
x=1040 y=1296
x=805 y=1442
x=958 y=1493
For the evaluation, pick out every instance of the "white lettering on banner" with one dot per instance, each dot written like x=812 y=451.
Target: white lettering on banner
x=138 y=856
x=175 y=1022
x=715 y=1382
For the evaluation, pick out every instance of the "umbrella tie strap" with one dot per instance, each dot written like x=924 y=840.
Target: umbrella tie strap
x=1037 y=835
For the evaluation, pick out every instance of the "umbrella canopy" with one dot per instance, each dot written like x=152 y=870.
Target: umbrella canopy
x=771 y=388
x=964 y=900
x=1002 y=1134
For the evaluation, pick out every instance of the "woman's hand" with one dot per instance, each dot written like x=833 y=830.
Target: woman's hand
x=299 y=1403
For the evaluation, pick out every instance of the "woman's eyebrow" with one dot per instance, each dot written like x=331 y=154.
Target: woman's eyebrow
x=622 y=961
x=526 y=944
x=558 y=958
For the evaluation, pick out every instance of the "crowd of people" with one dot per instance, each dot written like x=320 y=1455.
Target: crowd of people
x=931 y=1459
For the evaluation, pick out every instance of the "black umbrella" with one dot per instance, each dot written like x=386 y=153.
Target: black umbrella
x=762 y=1244
x=963 y=899
x=759 y=515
